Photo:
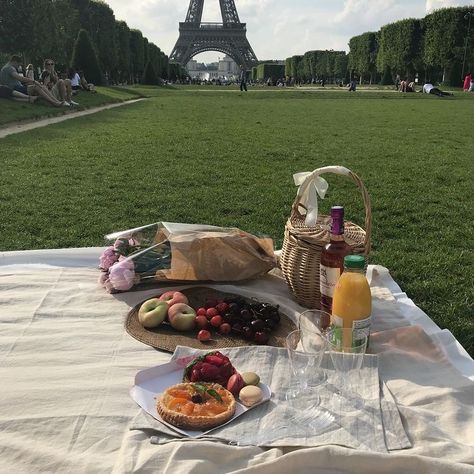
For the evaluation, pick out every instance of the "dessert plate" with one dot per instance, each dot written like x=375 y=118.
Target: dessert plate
x=151 y=383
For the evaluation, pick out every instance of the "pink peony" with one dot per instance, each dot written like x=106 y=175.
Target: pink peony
x=107 y=259
x=122 y=275
x=105 y=281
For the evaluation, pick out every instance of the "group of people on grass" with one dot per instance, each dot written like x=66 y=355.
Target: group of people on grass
x=55 y=90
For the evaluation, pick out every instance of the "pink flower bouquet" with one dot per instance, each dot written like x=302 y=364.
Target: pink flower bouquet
x=185 y=252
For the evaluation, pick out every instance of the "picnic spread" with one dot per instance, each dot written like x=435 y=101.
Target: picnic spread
x=68 y=365
x=189 y=348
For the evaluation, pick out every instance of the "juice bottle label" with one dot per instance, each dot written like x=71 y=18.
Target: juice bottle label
x=360 y=327
x=328 y=279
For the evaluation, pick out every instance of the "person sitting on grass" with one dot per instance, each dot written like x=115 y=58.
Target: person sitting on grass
x=85 y=85
x=9 y=77
x=411 y=87
x=429 y=88
x=60 y=88
x=75 y=79
x=30 y=72
x=7 y=93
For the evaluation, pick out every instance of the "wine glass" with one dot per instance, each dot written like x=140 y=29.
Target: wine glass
x=304 y=361
x=313 y=323
x=347 y=348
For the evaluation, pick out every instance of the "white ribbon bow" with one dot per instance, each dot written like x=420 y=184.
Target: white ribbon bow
x=315 y=186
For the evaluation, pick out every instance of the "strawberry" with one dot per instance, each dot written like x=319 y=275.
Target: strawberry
x=215 y=360
x=195 y=375
x=210 y=367
x=209 y=372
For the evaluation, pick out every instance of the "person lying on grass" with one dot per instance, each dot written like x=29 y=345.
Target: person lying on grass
x=429 y=88
x=9 y=77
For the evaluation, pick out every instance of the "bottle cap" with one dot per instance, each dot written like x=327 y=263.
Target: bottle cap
x=354 y=261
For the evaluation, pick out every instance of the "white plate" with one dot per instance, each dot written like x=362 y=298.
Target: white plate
x=151 y=383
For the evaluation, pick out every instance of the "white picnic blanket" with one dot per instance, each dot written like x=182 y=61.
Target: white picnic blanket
x=67 y=364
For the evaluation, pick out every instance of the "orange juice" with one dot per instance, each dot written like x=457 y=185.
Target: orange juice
x=352 y=301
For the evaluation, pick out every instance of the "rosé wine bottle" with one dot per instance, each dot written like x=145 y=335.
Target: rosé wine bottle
x=332 y=260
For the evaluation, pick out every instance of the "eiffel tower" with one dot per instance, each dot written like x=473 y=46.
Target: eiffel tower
x=228 y=37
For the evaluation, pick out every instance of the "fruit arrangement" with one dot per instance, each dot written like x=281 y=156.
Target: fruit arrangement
x=252 y=320
x=215 y=367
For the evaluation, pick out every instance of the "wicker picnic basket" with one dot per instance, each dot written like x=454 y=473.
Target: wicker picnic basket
x=302 y=245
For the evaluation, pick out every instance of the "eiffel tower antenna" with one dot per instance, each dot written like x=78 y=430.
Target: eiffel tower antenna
x=228 y=37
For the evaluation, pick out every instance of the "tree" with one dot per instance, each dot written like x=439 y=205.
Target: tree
x=84 y=58
x=149 y=76
x=123 y=44
x=137 y=53
x=444 y=40
x=362 y=56
x=400 y=46
x=103 y=35
x=273 y=72
x=16 y=23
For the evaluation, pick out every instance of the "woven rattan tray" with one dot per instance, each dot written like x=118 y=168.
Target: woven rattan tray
x=166 y=338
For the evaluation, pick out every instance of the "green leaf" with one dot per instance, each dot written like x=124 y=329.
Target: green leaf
x=215 y=395
x=200 y=388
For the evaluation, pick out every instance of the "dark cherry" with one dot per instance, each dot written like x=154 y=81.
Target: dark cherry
x=257 y=325
x=261 y=337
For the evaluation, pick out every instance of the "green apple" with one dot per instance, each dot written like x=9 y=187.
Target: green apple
x=152 y=313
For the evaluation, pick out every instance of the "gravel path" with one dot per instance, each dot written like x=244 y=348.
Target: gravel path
x=23 y=127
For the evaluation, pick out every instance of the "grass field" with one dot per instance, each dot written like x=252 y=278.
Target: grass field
x=213 y=155
x=14 y=111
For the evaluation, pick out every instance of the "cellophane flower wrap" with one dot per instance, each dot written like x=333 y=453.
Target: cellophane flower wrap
x=167 y=251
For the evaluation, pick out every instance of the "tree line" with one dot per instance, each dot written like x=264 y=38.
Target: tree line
x=437 y=47
x=38 y=29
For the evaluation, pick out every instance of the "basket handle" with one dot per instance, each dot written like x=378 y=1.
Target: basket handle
x=307 y=180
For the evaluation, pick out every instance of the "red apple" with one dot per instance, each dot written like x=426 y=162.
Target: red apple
x=152 y=312
x=182 y=317
x=174 y=297
x=201 y=312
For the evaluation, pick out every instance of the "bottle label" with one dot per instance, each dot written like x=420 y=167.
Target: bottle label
x=328 y=277
x=360 y=327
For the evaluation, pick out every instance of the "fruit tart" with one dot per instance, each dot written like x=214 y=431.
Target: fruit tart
x=196 y=406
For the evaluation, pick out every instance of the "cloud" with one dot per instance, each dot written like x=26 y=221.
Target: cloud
x=435 y=4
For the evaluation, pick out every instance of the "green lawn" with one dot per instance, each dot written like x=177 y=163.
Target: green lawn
x=14 y=111
x=213 y=155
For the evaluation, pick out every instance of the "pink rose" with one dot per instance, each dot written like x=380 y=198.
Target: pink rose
x=107 y=259
x=122 y=275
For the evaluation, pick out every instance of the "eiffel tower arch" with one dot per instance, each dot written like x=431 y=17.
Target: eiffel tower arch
x=228 y=37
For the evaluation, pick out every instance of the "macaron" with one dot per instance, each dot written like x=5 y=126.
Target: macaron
x=251 y=378
x=250 y=395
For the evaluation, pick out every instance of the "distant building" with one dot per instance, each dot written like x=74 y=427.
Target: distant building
x=228 y=68
x=225 y=69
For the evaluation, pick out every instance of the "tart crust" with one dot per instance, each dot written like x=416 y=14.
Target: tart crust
x=196 y=422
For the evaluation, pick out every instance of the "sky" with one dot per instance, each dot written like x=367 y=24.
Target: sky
x=277 y=29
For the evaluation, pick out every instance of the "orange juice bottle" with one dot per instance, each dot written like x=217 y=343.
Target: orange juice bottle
x=352 y=301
